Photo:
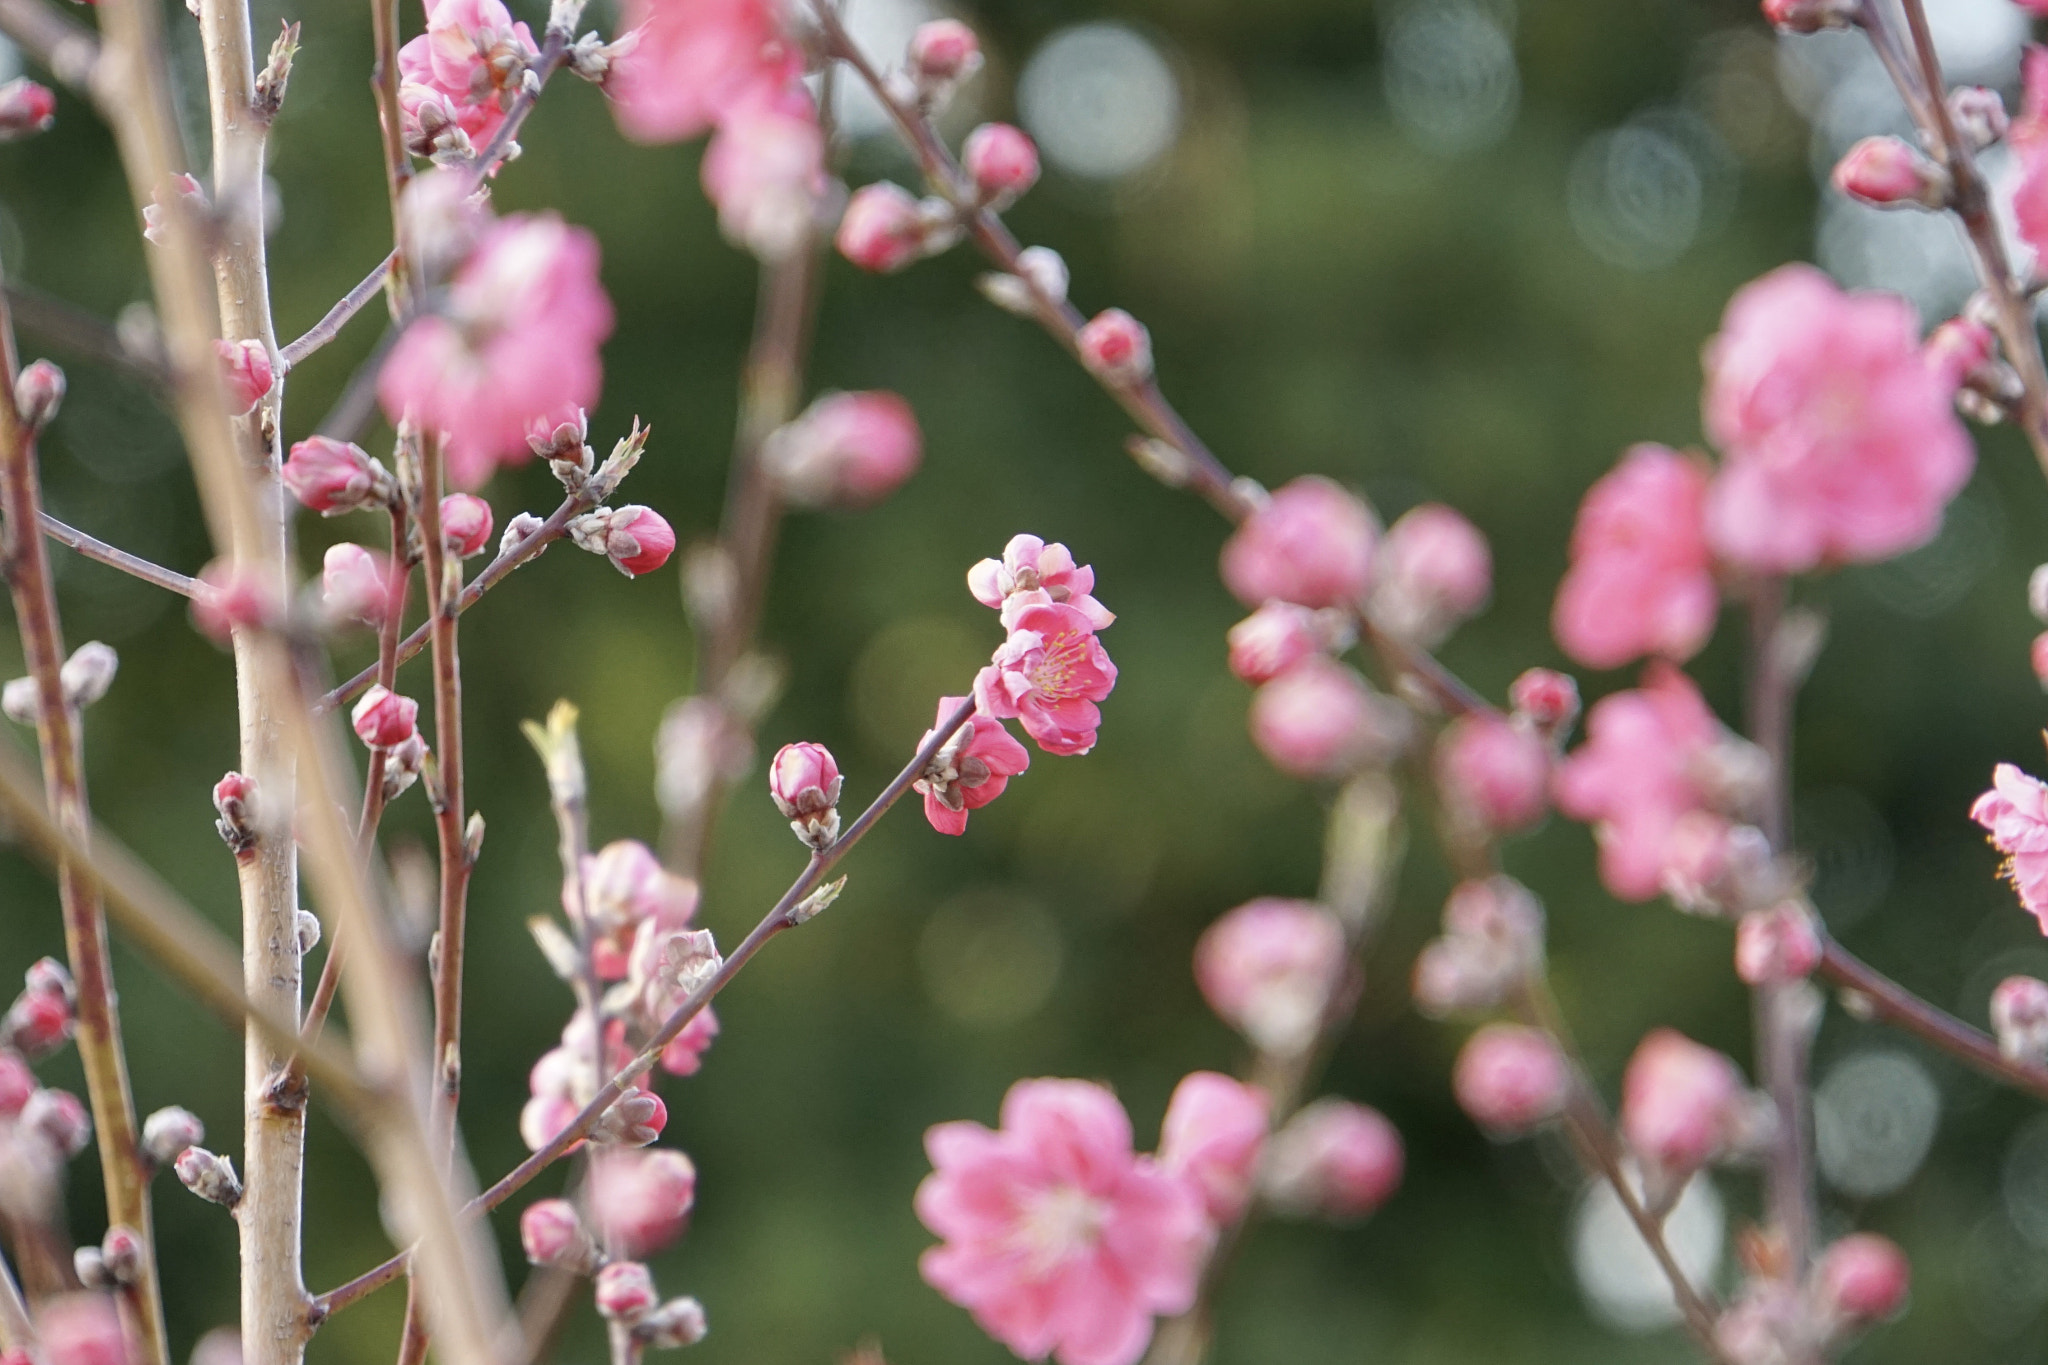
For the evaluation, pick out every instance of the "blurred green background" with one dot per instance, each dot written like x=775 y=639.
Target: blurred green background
x=1465 y=251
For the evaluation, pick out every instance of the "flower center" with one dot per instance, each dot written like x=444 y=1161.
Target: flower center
x=1061 y=1223
x=1059 y=659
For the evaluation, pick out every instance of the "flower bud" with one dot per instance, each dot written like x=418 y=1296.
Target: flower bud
x=18 y=700
x=355 y=585
x=122 y=1255
x=25 y=108
x=1001 y=160
x=245 y=372
x=465 y=524
x=883 y=228
x=634 y=538
x=37 y=1024
x=234 y=796
x=91 y=1268
x=1548 y=699
x=168 y=1132
x=625 y=1291
x=552 y=1234
x=1978 y=114
x=679 y=1322
x=88 y=673
x=1494 y=775
x=2019 y=1018
x=1433 y=570
x=48 y=976
x=188 y=196
x=306 y=924
x=1334 y=1160
x=804 y=781
x=1269 y=969
x=383 y=719
x=1041 y=273
x=1777 y=944
x=943 y=52
x=1116 y=348
x=1272 y=640
x=517 y=530
x=1680 y=1103
x=543 y=1118
x=1810 y=16
x=1211 y=1137
x=332 y=477
x=210 y=1177
x=17 y=1083
x=59 y=1118
x=1888 y=171
x=38 y=393
x=847 y=450
x=641 y=1201
x=1492 y=942
x=230 y=598
x=1311 y=543
x=84 y=1329
x=1862 y=1279
x=1510 y=1079
x=635 y=1119
x=1320 y=720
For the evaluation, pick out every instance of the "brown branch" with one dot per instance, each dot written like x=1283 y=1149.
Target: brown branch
x=115 y=558
x=1873 y=993
x=337 y=317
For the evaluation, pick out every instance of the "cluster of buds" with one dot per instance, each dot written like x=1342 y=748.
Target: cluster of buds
x=804 y=781
x=943 y=54
x=1511 y=1079
x=332 y=477
x=42 y=1017
x=1491 y=946
x=626 y=1296
x=845 y=450
x=84 y=678
x=1270 y=968
x=1334 y=1160
x=115 y=1263
x=1855 y=1283
x=635 y=539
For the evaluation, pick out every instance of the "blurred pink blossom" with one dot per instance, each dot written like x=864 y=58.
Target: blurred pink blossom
x=1641 y=579
x=1311 y=544
x=1680 y=1102
x=1269 y=967
x=1318 y=720
x=1510 y=1079
x=642 y=1198
x=1214 y=1128
x=765 y=170
x=1433 y=570
x=1493 y=773
x=846 y=450
x=1334 y=1159
x=469 y=63
x=695 y=61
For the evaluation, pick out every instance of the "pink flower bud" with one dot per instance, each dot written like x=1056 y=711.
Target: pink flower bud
x=1001 y=160
x=2037 y=657
x=804 y=780
x=1311 y=543
x=84 y=1329
x=642 y=1200
x=1318 y=720
x=1679 y=1102
x=168 y=1132
x=1334 y=1160
x=59 y=1118
x=1777 y=944
x=331 y=476
x=210 y=1177
x=1433 y=571
x=38 y=392
x=1493 y=774
x=17 y=1083
x=635 y=539
x=677 y=1323
x=846 y=450
x=186 y=193
x=234 y=796
x=1862 y=1279
x=25 y=108
x=1510 y=1079
x=625 y=1291
x=1546 y=697
x=684 y=1056
x=122 y=1254
x=230 y=599
x=383 y=719
x=1810 y=16
x=37 y=1024
x=1117 y=349
x=1269 y=969
x=943 y=51
x=355 y=584
x=1211 y=1137
x=1958 y=347
x=635 y=1119
x=465 y=524
x=552 y=1234
x=882 y=229
x=1272 y=640
x=246 y=372
x=1888 y=170
x=2019 y=1018
x=1978 y=114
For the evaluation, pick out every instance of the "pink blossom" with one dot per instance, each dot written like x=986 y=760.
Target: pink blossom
x=550 y=1233
x=2037 y=659
x=1311 y=544
x=1334 y=1159
x=1433 y=570
x=765 y=170
x=544 y=1117
x=1269 y=969
x=2029 y=137
x=1547 y=699
x=246 y=373
x=1840 y=443
x=383 y=719
x=943 y=51
x=625 y=1291
x=1116 y=348
x=468 y=65
x=17 y=1083
x=355 y=584
x=1273 y=639
x=1510 y=1079
x=2015 y=811
x=1493 y=773
x=1318 y=720
x=1862 y=1279
x=1057 y=1236
x=333 y=476
x=1635 y=777
x=882 y=229
x=1031 y=573
x=1211 y=1137
x=186 y=194
x=969 y=773
x=846 y=450
x=642 y=1199
x=696 y=61
x=230 y=598
x=1777 y=944
x=684 y=1056
x=1958 y=348
x=1491 y=944
x=1048 y=675
x=629 y=896
x=60 y=1119
x=1641 y=579
x=1679 y=1102
x=1001 y=161
x=83 y=1329
x=465 y=524
x=2019 y=1019
x=518 y=344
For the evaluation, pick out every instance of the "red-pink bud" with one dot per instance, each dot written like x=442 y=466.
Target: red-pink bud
x=25 y=108
x=943 y=51
x=1001 y=160
x=625 y=1291
x=882 y=229
x=60 y=1119
x=1116 y=347
x=234 y=796
x=246 y=373
x=333 y=476
x=1863 y=1278
x=642 y=1200
x=355 y=584
x=1272 y=640
x=1310 y=543
x=1887 y=170
x=17 y=1083
x=1433 y=571
x=552 y=1234
x=1777 y=944
x=1679 y=1102
x=83 y=1329
x=38 y=392
x=1510 y=1079
x=846 y=450
x=1493 y=774
x=1335 y=1160
x=2019 y=1018
x=122 y=1254
x=2037 y=656
x=466 y=524
x=635 y=539
x=230 y=599
x=804 y=781
x=635 y=1119
x=1546 y=697
x=37 y=1024
x=383 y=719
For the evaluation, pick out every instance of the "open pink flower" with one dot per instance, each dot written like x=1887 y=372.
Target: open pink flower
x=1214 y=1128
x=1048 y=675
x=466 y=66
x=1059 y=1238
x=1636 y=776
x=2015 y=810
x=981 y=762
x=696 y=60
x=518 y=344
x=1840 y=443
x=1641 y=579
x=1311 y=544
x=1032 y=572
x=765 y=170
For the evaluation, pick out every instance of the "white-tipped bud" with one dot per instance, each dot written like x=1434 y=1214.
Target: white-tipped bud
x=679 y=1322
x=88 y=673
x=169 y=1131
x=210 y=1176
x=122 y=1254
x=635 y=1119
x=516 y=530
x=38 y=393
x=91 y=1268
x=18 y=700
x=308 y=925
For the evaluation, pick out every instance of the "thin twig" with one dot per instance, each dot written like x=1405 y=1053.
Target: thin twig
x=329 y=327
x=1873 y=993
x=116 y=558
x=70 y=328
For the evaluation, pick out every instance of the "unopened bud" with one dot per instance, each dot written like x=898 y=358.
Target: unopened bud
x=383 y=719
x=402 y=765
x=518 y=529
x=122 y=1253
x=209 y=1176
x=1889 y=172
x=637 y=540
x=2019 y=1018
x=309 y=932
x=1810 y=16
x=942 y=53
x=18 y=700
x=1978 y=114
x=1510 y=1079
x=48 y=976
x=1001 y=160
x=59 y=1119
x=804 y=782
x=552 y=1234
x=1781 y=943
x=37 y=1024
x=25 y=108
x=91 y=1268
x=277 y=71
x=1334 y=1160
x=1116 y=348
x=38 y=392
x=1548 y=698
x=168 y=1132
x=465 y=524
x=625 y=1291
x=1041 y=274
x=234 y=796
x=246 y=373
x=679 y=1322
x=184 y=195
x=332 y=477
x=1862 y=1279
x=88 y=673
x=882 y=229
x=635 y=1119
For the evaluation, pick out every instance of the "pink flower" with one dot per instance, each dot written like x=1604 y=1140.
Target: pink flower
x=1211 y=1138
x=1336 y=1160
x=1311 y=544
x=846 y=450
x=1641 y=579
x=1493 y=773
x=2015 y=810
x=1635 y=776
x=1269 y=969
x=695 y=61
x=684 y=1056
x=629 y=896
x=465 y=524
x=1317 y=720
x=186 y=194
x=245 y=372
x=1889 y=170
x=1057 y=1237
x=1840 y=443
x=1048 y=675
x=625 y=1291
x=1001 y=161
x=1116 y=348
x=2019 y=1019
x=231 y=598
x=517 y=345
x=1679 y=1103
x=550 y=1233
x=83 y=1329
x=943 y=51
x=355 y=584
x=26 y=107
x=765 y=170
x=467 y=66
x=1273 y=639
x=1031 y=573
x=882 y=229
x=1547 y=699
x=1510 y=1079
x=642 y=1199
x=1862 y=1279
x=970 y=772
x=1433 y=571
x=333 y=476
x=17 y=1083
x=383 y=719
x=2030 y=139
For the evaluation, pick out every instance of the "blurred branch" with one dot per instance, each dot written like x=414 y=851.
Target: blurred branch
x=116 y=558
x=17 y=1332
x=1873 y=993
x=337 y=317
x=70 y=328
x=66 y=48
